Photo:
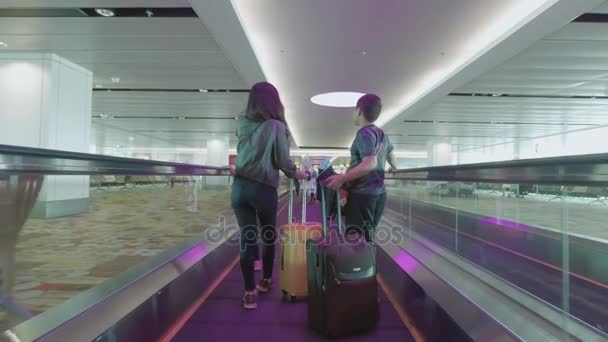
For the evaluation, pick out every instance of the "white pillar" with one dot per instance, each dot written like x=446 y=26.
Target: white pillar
x=439 y=153
x=516 y=149
x=46 y=103
x=217 y=155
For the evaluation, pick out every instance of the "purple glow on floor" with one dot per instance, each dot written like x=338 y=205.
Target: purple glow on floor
x=406 y=262
x=504 y=223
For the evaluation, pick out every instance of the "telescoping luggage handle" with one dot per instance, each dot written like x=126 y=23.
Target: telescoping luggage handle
x=324 y=213
x=290 y=209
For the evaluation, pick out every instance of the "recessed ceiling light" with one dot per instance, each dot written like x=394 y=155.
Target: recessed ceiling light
x=3 y=44
x=106 y=12
x=496 y=95
x=131 y=138
x=104 y=116
x=115 y=79
x=342 y=99
x=203 y=90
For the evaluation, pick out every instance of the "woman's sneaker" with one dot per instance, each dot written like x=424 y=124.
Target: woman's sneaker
x=249 y=302
x=264 y=285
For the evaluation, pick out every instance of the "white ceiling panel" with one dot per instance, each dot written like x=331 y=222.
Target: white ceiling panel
x=93 y=43
x=569 y=48
x=161 y=27
x=601 y=9
x=92 y=3
x=582 y=31
x=556 y=62
x=311 y=47
x=147 y=53
x=192 y=59
x=174 y=124
x=144 y=106
x=318 y=49
x=513 y=72
x=571 y=62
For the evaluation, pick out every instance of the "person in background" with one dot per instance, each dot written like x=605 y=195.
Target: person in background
x=312 y=186
x=262 y=151
x=364 y=179
x=306 y=167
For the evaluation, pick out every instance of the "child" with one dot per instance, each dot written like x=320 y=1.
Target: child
x=365 y=178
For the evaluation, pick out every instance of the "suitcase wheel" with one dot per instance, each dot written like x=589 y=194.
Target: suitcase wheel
x=286 y=297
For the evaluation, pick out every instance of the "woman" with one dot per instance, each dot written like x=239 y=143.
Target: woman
x=263 y=150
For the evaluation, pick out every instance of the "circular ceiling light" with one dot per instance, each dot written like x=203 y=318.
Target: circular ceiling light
x=106 y=12
x=343 y=99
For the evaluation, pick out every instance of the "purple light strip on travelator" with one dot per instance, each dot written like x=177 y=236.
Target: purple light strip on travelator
x=504 y=223
x=195 y=254
x=406 y=262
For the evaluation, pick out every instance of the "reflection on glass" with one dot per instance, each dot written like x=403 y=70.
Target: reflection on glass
x=18 y=195
x=549 y=240
x=129 y=220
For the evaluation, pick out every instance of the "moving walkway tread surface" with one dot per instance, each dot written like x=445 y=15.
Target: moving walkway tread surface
x=222 y=318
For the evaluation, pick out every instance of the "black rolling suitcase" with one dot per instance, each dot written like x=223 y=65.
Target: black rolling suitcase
x=343 y=292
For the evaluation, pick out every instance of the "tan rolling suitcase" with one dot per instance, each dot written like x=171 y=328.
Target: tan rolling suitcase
x=293 y=277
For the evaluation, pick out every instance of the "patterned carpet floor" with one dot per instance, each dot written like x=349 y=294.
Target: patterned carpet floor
x=58 y=258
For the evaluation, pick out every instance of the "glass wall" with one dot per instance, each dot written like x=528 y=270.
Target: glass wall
x=575 y=142
x=551 y=241
x=47 y=258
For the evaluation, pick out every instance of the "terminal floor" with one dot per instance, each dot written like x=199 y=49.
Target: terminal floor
x=59 y=258
x=222 y=318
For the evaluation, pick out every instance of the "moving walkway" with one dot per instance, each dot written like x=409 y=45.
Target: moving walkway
x=457 y=268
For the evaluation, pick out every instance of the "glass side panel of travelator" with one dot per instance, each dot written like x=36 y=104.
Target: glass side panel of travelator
x=535 y=230
x=71 y=223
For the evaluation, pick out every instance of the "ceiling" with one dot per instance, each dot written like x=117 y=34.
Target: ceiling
x=311 y=47
x=536 y=85
x=145 y=53
x=401 y=50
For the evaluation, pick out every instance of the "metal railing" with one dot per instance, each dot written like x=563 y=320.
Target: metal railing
x=590 y=170
x=20 y=160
